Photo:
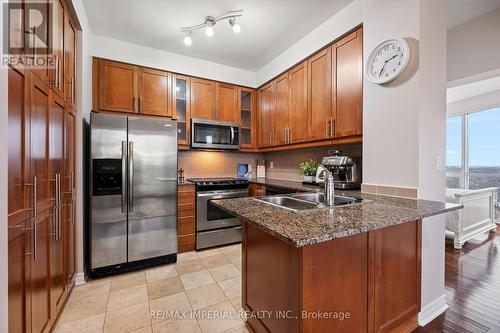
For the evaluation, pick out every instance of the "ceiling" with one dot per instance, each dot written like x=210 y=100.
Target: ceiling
x=472 y=89
x=268 y=27
x=460 y=11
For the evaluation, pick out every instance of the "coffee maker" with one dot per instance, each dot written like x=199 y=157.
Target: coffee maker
x=345 y=169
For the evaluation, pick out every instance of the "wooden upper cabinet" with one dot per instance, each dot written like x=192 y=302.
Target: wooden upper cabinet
x=57 y=73
x=154 y=92
x=266 y=111
x=348 y=85
x=39 y=98
x=281 y=113
x=298 y=112
x=39 y=37
x=19 y=194
x=17 y=28
x=203 y=98
x=117 y=86
x=227 y=102
x=69 y=62
x=248 y=116
x=320 y=94
x=181 y=107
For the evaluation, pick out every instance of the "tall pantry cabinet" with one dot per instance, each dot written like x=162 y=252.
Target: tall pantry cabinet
x=41 y=186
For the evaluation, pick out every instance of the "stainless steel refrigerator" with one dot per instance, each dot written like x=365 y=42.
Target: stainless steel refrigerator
x=133 y=218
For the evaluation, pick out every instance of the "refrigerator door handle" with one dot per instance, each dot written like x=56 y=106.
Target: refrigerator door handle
x=131 y=176
x=124 y=176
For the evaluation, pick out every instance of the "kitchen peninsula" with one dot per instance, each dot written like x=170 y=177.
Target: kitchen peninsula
x=353 y=268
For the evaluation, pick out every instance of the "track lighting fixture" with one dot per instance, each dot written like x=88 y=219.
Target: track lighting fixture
x=210 y=22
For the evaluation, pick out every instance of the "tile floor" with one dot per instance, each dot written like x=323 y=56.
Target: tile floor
x=199 y=293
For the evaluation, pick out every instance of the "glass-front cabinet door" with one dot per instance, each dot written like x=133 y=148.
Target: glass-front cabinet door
x=182 y=108
x=247 y=118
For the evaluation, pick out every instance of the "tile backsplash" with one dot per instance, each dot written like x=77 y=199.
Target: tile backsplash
x=285 y=163
x=214 y=164
x=197 y=163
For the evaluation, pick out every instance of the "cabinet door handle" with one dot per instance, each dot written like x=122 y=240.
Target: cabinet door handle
x=32 y=230
x=140 y=104
x=72 y=90
x=59 y=206
x=327 y=127
x=332 y=126
x=131 y=176
x=133 y=104
x=34 y=185
x=124 y=176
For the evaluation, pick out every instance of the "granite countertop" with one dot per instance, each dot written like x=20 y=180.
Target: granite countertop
x=315 y=226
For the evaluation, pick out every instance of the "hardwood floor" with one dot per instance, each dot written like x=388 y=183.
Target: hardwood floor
x=472 y=287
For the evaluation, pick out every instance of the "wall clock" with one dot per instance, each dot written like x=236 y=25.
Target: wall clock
x=387 y=61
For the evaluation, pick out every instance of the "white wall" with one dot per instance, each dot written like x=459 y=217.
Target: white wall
x=346 y=19
x=390 y=153
x=3 y=187
x=84 y=90
x=432 y=146
x=145 y=56
x=474 y=47
x=404 y=122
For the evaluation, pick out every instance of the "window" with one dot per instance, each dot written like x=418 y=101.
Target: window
x=473 y=150
x=484 y=149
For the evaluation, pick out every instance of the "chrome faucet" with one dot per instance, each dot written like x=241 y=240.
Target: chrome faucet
x=329 y=188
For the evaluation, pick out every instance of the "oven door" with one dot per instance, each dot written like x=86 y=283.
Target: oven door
x=214 y=134
x=208 y=216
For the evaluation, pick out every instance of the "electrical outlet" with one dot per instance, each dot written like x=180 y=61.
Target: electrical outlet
x=271 y=164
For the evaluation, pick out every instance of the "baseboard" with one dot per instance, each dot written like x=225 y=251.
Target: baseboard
x=79 y=279
x=432 y=310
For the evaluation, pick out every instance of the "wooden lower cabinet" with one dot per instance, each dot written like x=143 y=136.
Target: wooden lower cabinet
x=186 y=218
x=41 y=313
x=369 y=282
x=19 y=274
x=256 y=190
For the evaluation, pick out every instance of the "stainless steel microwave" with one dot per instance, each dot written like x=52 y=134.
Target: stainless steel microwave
x=212 y=134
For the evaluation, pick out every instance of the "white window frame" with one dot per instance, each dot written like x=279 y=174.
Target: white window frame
x=464 y=174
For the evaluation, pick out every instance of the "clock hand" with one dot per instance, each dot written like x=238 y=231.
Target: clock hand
x=385 y=63
x=382 y=69
x=391 y=58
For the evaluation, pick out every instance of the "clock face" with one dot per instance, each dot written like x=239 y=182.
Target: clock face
x=387 y=61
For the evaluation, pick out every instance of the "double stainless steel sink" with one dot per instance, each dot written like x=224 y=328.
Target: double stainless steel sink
x=306 y=201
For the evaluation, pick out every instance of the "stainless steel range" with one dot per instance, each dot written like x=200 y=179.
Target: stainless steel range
x=213 y=225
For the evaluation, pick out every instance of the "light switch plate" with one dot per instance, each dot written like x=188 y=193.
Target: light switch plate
x=439 y=163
